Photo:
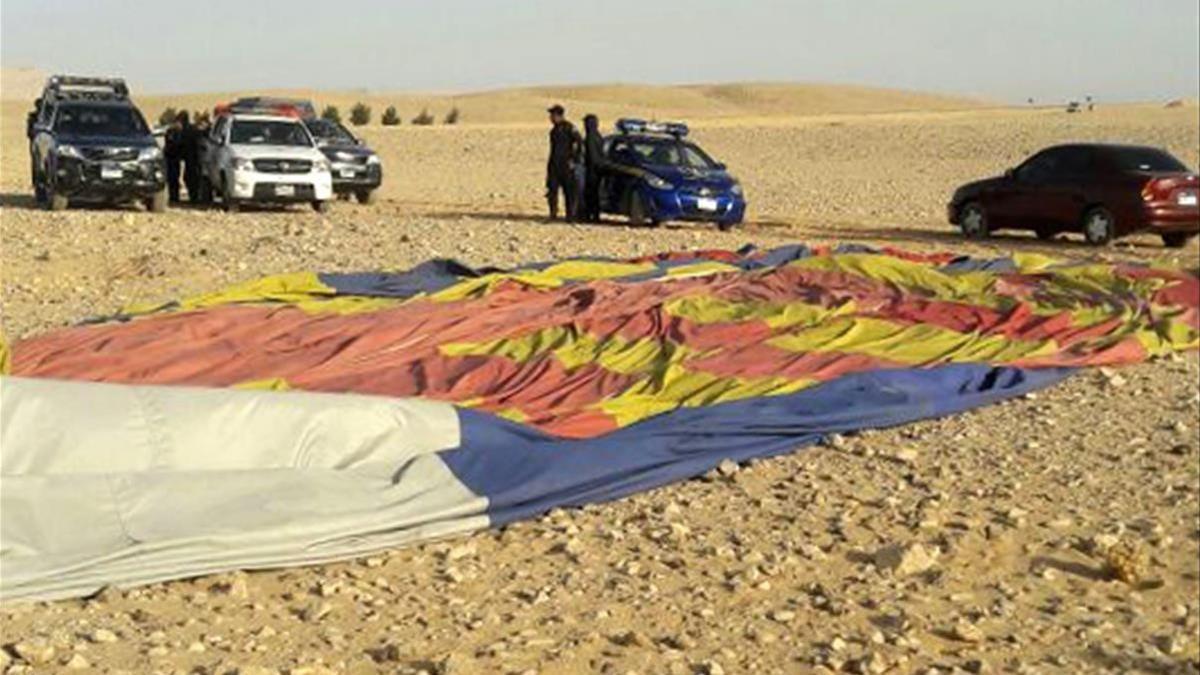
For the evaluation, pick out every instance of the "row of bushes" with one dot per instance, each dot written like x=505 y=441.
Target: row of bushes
x=360 y=114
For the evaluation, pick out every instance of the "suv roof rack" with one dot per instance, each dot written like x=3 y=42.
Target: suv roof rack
x=71 y=87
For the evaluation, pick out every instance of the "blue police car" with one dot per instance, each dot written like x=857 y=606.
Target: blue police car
x=655 y=175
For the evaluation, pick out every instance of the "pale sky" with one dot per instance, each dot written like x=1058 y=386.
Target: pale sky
x=1008 y=49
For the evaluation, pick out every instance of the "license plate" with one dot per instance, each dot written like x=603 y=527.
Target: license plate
x=1187 y=199
x=346 y=173
x=706 y=204
x=285 y=190
x=111 y=172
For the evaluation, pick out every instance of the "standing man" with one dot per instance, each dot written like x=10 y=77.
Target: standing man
x=191 y=159
x=173 y=151
x=594 y=165
x=565 y=146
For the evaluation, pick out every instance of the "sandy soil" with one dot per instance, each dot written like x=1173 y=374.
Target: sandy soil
x=767 y=568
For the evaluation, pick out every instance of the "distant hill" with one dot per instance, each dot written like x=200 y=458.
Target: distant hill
x=21 y=83
x=690 y=102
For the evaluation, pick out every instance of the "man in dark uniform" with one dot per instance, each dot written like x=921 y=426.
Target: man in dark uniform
x=565 y=146
x=594 y=163
x=191 y=159
x=173 y=152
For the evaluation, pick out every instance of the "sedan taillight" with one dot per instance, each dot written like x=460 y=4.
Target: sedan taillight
x=1156 y=189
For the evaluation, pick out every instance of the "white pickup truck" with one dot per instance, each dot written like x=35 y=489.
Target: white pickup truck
x=264 y=158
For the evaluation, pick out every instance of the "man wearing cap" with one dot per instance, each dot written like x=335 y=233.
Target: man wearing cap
x=565 y=147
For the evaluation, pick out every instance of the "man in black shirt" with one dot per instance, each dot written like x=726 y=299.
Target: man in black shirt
x=594 y=163
x=565 y=148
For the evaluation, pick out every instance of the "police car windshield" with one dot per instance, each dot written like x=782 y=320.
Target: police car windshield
x=671 y=152
x=100 y=120
x=328 y=131
x=268 y=132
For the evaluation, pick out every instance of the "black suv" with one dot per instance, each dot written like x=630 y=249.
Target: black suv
x=356 y=168
x=88 y=142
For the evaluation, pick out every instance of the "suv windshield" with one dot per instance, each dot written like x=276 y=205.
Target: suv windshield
x=100 y=120
x=1146 y=159
x=268 y=132
x=663 y=153
x=328 y=131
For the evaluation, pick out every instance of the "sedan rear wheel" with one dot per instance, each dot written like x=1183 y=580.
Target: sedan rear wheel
x=973 y=221
x=1099 y=228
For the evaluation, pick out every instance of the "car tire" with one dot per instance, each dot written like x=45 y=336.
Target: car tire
x=56 y=201
x=973 y=221
x=637 y=211
x=365 y=196
x=321 y=206
x=157 y=203
x=204 y=191
x=1099 y=227
x=227 y=201
x=1176 y=239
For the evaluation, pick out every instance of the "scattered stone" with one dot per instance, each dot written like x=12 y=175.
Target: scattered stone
x=77 y=662
x=315 y=611
x=727 y=468
x=34 y=652
x=965 y=631
x=1127 y=561
x=102 y=635
x=905 y=559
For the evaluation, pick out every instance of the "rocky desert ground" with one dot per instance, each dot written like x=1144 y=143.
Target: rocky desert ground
x=1059 y=533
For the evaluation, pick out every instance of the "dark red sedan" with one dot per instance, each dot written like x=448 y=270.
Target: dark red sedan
x=1103 y=191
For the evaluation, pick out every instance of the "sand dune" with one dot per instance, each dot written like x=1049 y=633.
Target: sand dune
x=527 y=105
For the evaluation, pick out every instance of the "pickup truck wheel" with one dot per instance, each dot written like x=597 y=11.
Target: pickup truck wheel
x=1099 y=228
x=57 y=201
x=1176 y=239
x=365 y=196
x=157 y=203
x=227 y=201
x=974 y=221
x=321 y=206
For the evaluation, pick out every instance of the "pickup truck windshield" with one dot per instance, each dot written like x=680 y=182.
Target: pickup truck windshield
x=93 y=120
x=269 y=132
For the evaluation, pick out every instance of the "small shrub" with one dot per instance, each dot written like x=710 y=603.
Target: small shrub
x=331 y=113
x=424 y=119
x=390 y=117
x=452 y=116
x=167 y=117
x=360 y=114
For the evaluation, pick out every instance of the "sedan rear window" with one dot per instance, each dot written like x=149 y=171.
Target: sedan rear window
x=1146 y=159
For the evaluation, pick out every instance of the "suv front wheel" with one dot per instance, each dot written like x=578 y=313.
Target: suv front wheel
x=157 y=203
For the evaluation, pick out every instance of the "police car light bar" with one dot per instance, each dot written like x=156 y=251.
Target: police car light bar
x=637 y=126
x=87 y=87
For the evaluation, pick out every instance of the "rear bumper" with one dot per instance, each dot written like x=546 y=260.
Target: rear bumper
x=1169 y=218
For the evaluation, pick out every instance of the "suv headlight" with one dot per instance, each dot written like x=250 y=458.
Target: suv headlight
x=69 y=151
x=321 y=166
x=242 y=164
x=658 y=183
x=149 y=154
x=373 y=159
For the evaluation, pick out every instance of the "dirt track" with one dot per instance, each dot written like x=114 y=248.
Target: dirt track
x=768 y=569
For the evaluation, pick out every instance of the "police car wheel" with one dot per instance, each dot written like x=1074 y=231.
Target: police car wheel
x=157 y=203
x=320 y=206
x=365 y=196
x=637 y=211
